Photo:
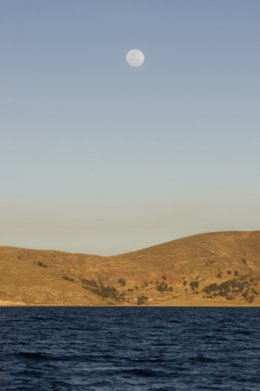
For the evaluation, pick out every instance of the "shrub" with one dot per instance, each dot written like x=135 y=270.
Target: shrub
x=210 y=288
x=109 y=292
x=141 y=300
x=68 y=278
x=164 y=287
x=122 y=281
x=102 y=290
x=41 y=264
x=89 y=283
x=231 y=288
x=194 y=285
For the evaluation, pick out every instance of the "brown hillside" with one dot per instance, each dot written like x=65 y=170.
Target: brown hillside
x=220 y=268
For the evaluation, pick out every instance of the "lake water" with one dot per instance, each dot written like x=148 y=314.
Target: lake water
x=123 y=349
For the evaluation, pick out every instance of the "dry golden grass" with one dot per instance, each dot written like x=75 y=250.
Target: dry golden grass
x=170 y=274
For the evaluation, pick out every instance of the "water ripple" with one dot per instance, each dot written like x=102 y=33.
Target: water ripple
x=137 y=349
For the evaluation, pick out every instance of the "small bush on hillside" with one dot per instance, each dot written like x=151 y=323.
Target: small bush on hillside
x=194 y=285
x=122 y=281
x=68 y=278
x=109 y=292
x=142 y=300
x=41 y=264
x=89 y=283
x=212 y=288
x=164 y=287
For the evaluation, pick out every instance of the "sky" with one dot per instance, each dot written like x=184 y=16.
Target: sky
x=100 y=157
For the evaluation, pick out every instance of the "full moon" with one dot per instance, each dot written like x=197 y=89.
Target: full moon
x=135 y=58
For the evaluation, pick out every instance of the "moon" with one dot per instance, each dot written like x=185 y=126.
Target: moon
x=135 y=58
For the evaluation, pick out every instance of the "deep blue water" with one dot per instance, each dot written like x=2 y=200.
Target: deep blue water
x=137 y=349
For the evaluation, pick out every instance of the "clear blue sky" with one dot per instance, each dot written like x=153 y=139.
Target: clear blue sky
x=99 y=157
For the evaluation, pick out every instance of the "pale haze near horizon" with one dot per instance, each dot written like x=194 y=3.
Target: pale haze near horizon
x=98 y=157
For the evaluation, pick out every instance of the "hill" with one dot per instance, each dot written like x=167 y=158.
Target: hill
x=221 y=268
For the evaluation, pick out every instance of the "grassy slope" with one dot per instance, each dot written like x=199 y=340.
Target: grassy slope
x=173 y=273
